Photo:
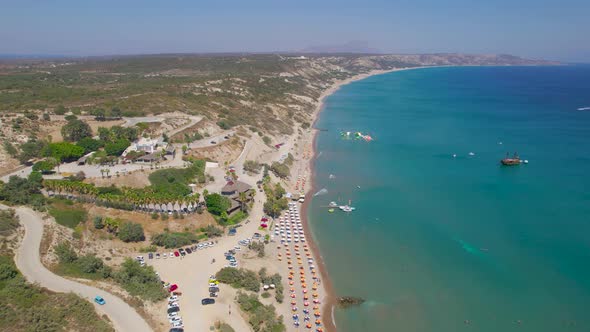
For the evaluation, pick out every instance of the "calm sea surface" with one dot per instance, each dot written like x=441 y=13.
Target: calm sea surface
x=439 y=243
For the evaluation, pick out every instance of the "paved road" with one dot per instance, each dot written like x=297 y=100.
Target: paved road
x=123 y=317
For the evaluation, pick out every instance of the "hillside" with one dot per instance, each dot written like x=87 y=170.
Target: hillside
x=265 y=92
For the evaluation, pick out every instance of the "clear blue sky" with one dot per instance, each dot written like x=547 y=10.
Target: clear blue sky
x=533 y=28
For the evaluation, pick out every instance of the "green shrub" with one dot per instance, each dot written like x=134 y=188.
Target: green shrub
x=140 y=281
x=265 y=295
x=131 y=232
x=174 y=240
x=8 y=222
x=239 y=278
x=98 y=222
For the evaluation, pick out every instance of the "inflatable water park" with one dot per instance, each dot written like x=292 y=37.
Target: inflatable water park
x=356 y=135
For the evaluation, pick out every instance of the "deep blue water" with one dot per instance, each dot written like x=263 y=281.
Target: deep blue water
x=459 y=244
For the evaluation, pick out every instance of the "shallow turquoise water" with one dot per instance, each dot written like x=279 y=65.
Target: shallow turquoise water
x=459 y=244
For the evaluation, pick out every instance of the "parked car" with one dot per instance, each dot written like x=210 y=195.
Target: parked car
x=181 y=251
x=99 y=300
x=213 y=142
x=164 y=255
x=207 y=301
x=150 y=255
x=232 y=231
x=189 y=251
x=171 y=254
x=176 y=254
x=233 y=264
x=175 y=309
x=177 y=329
x=173 y=298
x=157 y=256
x=177 y=324
x=213 y=289
x=172 y=305
x=212 y=294
x=173 y=287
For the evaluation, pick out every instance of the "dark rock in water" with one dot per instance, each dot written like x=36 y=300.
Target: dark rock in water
x=349 y=301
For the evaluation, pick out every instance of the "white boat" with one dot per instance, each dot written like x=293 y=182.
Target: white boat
x=333 y=204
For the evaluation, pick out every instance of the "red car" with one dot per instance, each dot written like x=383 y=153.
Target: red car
x=176 y=254
x=173 y=287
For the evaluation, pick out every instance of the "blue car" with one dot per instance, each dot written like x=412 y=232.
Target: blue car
x=99 y=300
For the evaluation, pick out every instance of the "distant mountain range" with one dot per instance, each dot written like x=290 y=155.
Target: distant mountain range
x=355 y=46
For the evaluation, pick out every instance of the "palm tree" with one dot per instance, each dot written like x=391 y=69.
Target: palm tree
x=242 y=198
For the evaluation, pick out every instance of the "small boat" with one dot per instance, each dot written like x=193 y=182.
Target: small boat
x=333 y=204
x=330 y=210
x=514 y=161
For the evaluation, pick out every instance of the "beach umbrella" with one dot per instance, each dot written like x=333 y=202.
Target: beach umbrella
x=316 y=301
x=293 y=309
x=317 y=314
x=304 y=289
x=291 y=277
x=293 y=302
x=292 y=289
x=291 y=282
x=305 y=297
x=318 y=322
x=308 y=326
x=293 y=295
x=316 y=294
x=306 y=303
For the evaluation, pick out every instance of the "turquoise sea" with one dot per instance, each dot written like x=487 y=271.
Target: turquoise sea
x=448 y=244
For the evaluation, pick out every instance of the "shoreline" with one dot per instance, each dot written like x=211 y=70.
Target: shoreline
x=329 y=298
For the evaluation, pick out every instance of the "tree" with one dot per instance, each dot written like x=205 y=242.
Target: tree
x=280 y=169
x=104 y=134
x=32 y=149
x=252 y=166
x=44 y=166
x=75 y=130
x=60 y=110
x=46 y=117
x=90 y=144
x=10 y=149
x=116 y=112
x=217 y=204
x=65 y=152
x=117 y=147
x=131 y=232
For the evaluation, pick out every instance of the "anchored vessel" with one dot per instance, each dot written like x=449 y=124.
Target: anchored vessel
x=515 y=160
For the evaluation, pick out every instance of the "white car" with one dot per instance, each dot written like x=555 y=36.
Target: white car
x=172 y=305
x=199 y=247
x=173 y=314
x=164 y=255
x=177 y=324
x=171 y=254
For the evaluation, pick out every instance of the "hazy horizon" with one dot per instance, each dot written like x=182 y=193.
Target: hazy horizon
x=533 y=29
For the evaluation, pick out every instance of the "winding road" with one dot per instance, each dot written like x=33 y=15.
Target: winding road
x=28 y=261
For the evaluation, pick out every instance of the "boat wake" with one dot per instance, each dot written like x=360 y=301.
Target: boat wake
x=332 y=176
x=321 y=192
x=584 y=109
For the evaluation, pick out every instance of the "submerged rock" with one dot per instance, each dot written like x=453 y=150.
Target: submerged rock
x=349 y=301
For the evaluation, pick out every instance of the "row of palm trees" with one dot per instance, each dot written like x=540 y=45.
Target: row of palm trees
x=145 y=199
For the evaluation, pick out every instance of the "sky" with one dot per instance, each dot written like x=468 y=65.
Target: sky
x=541 y=29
